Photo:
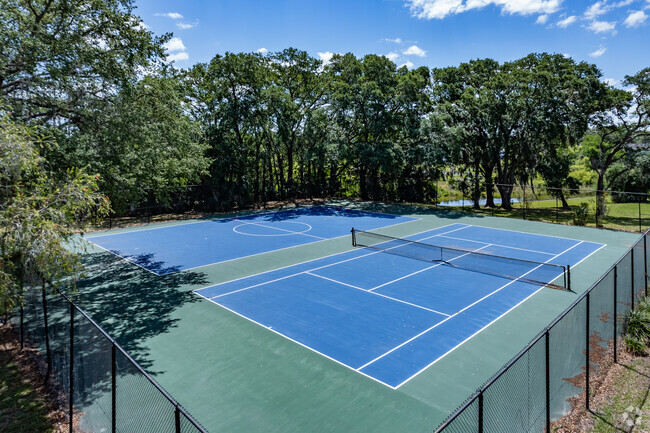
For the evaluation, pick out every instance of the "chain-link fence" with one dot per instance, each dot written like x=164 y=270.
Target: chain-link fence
x=545 y=379
x=621 y=210
x=100 y=387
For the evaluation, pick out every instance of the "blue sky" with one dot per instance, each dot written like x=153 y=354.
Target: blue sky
x=615 y=35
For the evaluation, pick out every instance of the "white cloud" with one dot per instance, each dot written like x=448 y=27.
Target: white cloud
x=392 y=56
x=596 y=10
x=177 y=57
x=174 y=44
x=542 y=19
x=408 y=64
x=172 y=15
x=566 y=55
x=599 y=52
x=414 y=50
x=567 y=21
x=635 y=19
x=395 y=41
x=326 y=57
x=186 y=26
x=610 y=81
x=430 y=9
x=602 y=27
x=262 y=50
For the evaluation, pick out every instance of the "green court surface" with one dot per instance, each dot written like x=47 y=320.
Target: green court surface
x=234 y=375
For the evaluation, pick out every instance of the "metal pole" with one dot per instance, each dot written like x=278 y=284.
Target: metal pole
x=645 y=262
x=632 y=281
x=71 y=397
x=556 y=210
x=480 y=412
x=615 y=314
x=22 y=328
x=548 y=385
x=113 y=388
x=177 y=418
x=568 y=276
x=640 y=229
x=47 y=337
x=587 y=357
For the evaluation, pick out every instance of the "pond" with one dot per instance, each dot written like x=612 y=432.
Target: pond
x=497 y=201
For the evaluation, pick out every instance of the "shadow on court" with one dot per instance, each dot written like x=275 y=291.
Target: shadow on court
x=132 y=304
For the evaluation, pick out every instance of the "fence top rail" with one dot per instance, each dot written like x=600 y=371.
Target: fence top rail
x=537 y=338
x=578 y=190
x=135 y=364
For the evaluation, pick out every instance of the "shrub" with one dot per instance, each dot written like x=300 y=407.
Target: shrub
x=580 y=214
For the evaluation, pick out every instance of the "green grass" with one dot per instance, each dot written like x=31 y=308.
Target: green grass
x=629 y=406
x=620 y=216
x=21 y=408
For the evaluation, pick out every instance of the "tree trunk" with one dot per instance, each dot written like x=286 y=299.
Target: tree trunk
x=506 y=194
x=489 y=187
x=565 y=204
x=476 y=194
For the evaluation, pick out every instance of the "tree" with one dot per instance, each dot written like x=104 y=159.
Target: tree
x=619 y=130
x=62 y=60
x=39 y=215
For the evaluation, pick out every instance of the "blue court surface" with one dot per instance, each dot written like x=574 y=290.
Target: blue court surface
x=170 y=249
x=390 y=317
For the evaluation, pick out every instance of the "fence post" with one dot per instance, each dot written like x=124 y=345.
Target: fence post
x=587 y=356
x=548 y=384
x=640 y=229
x=113 y=388
x=632 y=279
x=615 y=314
x=22 y=328
x=480 y=412
x=47 y=335
x=71 y=397
x=556 y=210
x=645 y=262
x=177 y=418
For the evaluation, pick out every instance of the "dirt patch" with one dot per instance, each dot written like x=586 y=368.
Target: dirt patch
x=618 y=402
x=30 y=405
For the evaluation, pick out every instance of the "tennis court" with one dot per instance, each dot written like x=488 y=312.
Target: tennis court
x=169 y=249
x=393 y=308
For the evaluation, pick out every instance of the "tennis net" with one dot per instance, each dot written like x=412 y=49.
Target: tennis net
x=556 y=276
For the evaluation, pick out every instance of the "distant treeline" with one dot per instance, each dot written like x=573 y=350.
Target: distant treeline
x=284 y=125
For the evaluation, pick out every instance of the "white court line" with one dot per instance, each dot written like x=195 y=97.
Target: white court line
x=125 y=259
x=537 y=234
x=296 y=341
x=307 y=261
x=467 y=307
x=498 y=245
x=302 y=263
x=293 y=246
x=378 y=294
x=285 y=230
x=314 y=269
x=422 y=270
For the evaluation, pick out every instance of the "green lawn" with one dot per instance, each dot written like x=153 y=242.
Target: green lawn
x=620 y=216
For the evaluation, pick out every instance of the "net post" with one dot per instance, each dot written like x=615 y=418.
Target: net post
x=548 y=382
x=354 y=237
x=568 y=277
x=113 y=388
x=615 y=313
x=587 y=356
x=71 y=396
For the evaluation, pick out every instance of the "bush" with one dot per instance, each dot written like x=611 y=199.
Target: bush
x=580 y=214
x=637 y=328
